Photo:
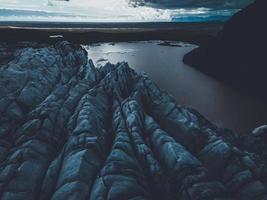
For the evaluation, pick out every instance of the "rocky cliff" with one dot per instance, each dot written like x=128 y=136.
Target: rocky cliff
x=238 y=54
x=71 y=131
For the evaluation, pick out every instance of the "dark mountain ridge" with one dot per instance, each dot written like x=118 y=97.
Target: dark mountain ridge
x=238 y=54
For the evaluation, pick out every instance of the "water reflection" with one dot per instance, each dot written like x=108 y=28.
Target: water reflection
x=218 y=102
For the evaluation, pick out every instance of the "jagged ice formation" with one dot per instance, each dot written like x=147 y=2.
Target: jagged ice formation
x=71 y=131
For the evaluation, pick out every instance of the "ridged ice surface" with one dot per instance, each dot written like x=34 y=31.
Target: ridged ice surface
x=70 y=131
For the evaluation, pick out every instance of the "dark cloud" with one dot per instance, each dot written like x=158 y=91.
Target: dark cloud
x=217 y=4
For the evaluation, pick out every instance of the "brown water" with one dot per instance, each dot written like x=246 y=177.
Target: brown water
x=218 y=102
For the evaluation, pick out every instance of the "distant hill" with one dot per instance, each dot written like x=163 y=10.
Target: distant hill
x=238 y=54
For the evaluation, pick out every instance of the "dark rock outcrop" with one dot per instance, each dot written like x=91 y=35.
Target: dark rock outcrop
x=238 y=54
x=70 y=131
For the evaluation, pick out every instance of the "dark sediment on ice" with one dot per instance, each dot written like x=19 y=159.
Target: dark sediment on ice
x=238 y=54
x=69 y=130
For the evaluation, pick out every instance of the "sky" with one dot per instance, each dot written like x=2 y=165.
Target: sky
x=214 y=4
x=118 y=10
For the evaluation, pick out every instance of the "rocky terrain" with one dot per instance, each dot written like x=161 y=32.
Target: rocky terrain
x=238 y=54
x=71 y=131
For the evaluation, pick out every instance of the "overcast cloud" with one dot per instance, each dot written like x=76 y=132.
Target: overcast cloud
x=216 y=4
x=119 y=10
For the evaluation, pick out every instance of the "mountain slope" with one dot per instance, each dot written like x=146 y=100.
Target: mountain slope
x=237 y=55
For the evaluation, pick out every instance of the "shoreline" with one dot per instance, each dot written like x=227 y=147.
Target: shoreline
x=196 y=33
x=218 y=102
x=158 y=25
